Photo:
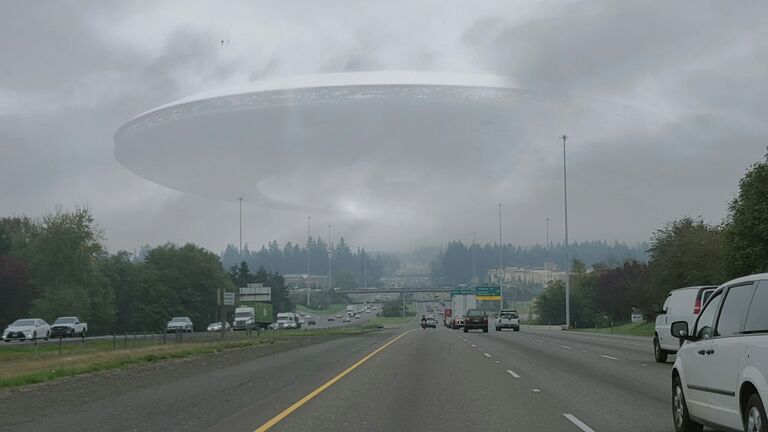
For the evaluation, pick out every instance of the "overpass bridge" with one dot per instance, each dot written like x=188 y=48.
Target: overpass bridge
x=395 y=290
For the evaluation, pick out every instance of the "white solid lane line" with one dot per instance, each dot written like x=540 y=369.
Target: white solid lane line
x=608 y=357
x=511 y=372
x=581 y=425
x=487 y=355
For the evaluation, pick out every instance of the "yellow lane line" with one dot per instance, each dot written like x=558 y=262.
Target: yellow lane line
x=276 y=419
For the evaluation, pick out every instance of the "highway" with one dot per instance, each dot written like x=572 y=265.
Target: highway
x=402 y=378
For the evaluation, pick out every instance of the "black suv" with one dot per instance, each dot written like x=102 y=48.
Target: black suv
x=476 y=319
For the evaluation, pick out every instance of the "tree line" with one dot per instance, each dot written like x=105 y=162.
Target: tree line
x=58 y=266
x=349 y=268
x=685 y=252
x=454 y=265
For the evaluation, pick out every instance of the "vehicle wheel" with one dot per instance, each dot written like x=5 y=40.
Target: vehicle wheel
x=754 y=416
x=497 y=328
x=517 y=329
x=466 y=329
x=683 y=422
x=485 y=329
x=659 y=354
x=47 y=336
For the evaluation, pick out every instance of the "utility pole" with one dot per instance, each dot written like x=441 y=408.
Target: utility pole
x=365 y=268
x=501 y=267
x=330 y=255
x=567 y=252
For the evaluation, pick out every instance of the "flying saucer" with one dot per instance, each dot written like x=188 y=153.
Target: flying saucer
x=340 y=142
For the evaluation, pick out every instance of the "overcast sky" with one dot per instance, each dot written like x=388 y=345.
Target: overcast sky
x=73 y=72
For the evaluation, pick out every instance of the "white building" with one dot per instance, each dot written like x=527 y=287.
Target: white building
x=513 y=275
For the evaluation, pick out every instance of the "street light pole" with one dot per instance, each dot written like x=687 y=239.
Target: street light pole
x=567 y=252
x=474 y=257
x=547 y=252
x=241 y=229
x=309 y=255
x=501 y=268
x=365 y=268
x=330 y=255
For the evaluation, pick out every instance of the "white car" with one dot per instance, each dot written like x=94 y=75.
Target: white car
x=180 y=324
x=508 y=319
x=216 y=327
x=720 y=376
x=28 y=328
x=682 y=304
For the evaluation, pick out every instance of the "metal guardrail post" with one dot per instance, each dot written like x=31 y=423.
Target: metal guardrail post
x=36 y=353
x=125 y=340
x=165 y=335
x=114 y=341
x=61 y=343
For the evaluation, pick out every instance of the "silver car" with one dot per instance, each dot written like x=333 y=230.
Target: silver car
x=182 y=324
x=28 y=328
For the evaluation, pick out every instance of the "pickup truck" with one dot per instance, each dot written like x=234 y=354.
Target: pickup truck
x=508 y=319
x=68 y=327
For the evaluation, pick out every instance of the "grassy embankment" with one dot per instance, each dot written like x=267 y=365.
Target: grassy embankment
x=638 y=329
x=19 y=365
x=411 y=313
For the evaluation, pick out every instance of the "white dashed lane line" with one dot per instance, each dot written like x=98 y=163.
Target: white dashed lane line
x=608 y=357
x=511 y=372
x=564 y=346
x=536 y=390
x=539 y=341
x=487 y=355
x=474 y=346
x=580 y=424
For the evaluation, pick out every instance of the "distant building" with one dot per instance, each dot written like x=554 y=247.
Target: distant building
x=299 y=281
x=512 y=275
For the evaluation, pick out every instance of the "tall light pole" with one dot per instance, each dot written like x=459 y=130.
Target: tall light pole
x=241 y=229
x=330 y=255
x=567 y=254
x=365 y=268
x=309 y=255
x=474 y=257
x=546 y=254
x=501 y=268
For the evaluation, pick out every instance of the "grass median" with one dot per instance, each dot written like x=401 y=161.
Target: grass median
x=21 y=365
x=332 y=309
x=631 y=329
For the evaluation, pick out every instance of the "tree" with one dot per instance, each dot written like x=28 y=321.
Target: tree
x=550 y=304
x=63 y=262
x=620 y=289
x=686 y=252
x=746 y=228
x=16 y=293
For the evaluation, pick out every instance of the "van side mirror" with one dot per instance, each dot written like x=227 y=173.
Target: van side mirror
x=679 y=329
x=657 y=309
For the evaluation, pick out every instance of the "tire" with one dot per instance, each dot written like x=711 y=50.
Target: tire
x=466 y=329
x=497 y=328
x=659 y=354
x=34 y=335
x=485 y=329
x=754 y=416
x=47 y=336
x=517 y=329
x=680 y=416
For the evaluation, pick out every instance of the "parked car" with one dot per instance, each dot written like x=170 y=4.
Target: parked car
x=508 y=319
x=68 y=327
x=216 y=327
x=476 y=319
x=720 y=376
x=183 y=324
x=28 y=328
x=681 y=304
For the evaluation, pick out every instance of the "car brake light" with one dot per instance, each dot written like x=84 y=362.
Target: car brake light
x=697 y=307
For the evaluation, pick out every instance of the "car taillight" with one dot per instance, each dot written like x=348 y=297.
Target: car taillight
x=697 y=306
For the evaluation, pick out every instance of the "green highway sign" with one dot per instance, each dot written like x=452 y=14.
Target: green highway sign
x=461 y=291
x=487 y=293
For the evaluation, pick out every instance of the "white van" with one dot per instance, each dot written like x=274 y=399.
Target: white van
x=288 y=320
x=682 y=304
x=720 y=376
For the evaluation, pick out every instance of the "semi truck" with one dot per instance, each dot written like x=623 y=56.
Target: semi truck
x=253 y=315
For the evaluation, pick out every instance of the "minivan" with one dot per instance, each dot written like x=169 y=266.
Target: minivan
x=681 y=304
x=719 y=376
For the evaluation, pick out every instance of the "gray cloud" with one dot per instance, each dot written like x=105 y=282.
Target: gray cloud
x=74 y=72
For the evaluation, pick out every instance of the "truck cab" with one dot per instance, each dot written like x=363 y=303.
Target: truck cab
x=245 y=318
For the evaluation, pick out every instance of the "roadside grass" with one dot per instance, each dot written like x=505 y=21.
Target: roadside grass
x=631 y=329
x=18 y=366
x=385 y=321
x=332 y=309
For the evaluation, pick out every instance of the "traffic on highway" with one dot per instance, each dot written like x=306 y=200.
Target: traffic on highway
x=411 y=215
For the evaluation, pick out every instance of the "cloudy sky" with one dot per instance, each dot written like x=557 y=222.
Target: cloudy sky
x=73 y=72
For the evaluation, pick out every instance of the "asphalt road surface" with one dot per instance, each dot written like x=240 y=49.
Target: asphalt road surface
x=397 y=379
